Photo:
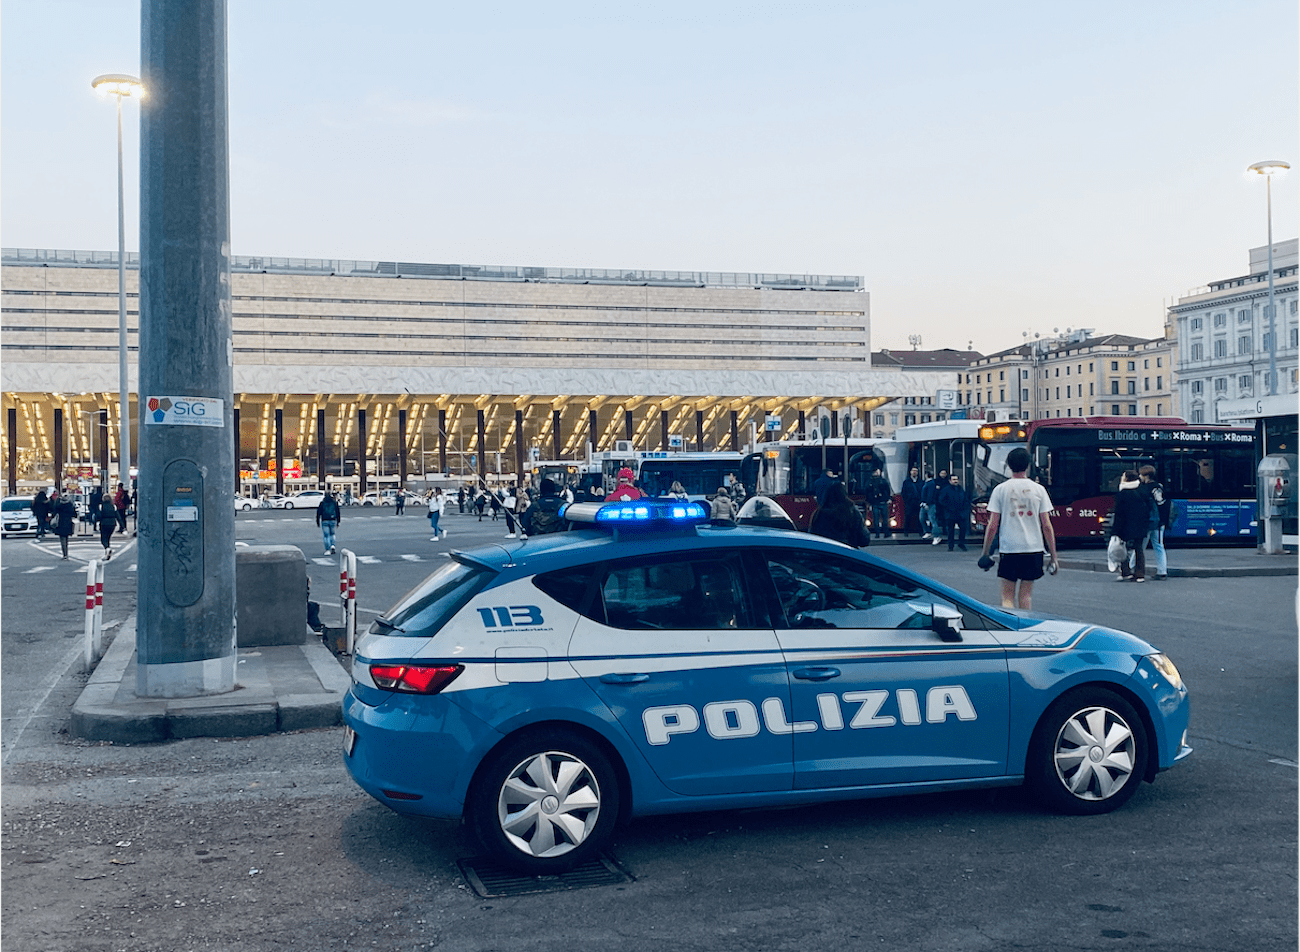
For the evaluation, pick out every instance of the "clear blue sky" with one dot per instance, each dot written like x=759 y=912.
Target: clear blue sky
x=988 y=168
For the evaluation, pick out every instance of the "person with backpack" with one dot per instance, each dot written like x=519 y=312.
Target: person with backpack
x=543 y=516
x=328 y=516
x=106 y=519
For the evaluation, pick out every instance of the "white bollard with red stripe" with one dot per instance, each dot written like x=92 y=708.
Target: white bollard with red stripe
x=94 y=648
x=348 y=594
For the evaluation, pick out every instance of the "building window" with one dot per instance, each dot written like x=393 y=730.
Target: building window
x=1090 y=366
x=1146 y=365
x=1114 y=365
x=1160 y=385
x=1295 y=336
x=1002 y=375
x=878 y=419
x=1196 y=323
x=1068 y=392
x=1198 y=352
x=1160 y=361
x=1220 y=320
x=1114 y=409
x=909 y=419
x=1243 y=345
x=1132 y=409
x=1090 y=389
x=1198 y=416
x=893 y=419
x=1220 y=384
x=1024 y=375
x=1268 y=342
x=1058 y=371
x=1002 y=394
x=1160 y=409
x=1058 y=393
x=1198 y=386
x=1132 y=386
x=1243 y=317
x=1146 y=384
x=925 y=418
x=1243 y=382
x=1114 y=386
x=1132 y=365
x=1024 y=396
x=1067 y=370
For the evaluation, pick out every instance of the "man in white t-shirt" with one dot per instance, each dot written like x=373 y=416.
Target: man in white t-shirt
x=1020 y=519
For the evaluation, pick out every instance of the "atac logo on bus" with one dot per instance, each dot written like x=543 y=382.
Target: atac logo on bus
x=731 y=720
x=185 y=411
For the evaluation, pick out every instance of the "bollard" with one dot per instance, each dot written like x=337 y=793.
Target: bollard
x=348 y=594
x=94 y=647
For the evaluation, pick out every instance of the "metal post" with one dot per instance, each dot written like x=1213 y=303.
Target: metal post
x=401 y=443
x=123 y=381
x=279 y=451
x=1272 y=308
x=186 y=639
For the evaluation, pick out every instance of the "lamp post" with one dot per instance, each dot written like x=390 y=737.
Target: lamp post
x=1268 y=170
x=118 y=85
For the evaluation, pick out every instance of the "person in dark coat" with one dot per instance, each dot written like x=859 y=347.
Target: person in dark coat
x=954 y=511
x=1133 y=521
x=930 y=505
x=543 y=516
x=822 y=483
x=911 y=493
x=107 y=521
x=839 y=519
x=879 y=493
x=64 y=517
x=41 y=510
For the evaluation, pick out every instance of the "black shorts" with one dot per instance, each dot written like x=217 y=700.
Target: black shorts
x=1020 y=566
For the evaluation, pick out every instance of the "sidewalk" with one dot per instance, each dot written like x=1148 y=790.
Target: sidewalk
x=295 y=687
x=280 y=688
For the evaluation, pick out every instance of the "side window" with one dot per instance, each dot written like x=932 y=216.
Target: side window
x=705 y=592
x=570 y=587
x=820 y=592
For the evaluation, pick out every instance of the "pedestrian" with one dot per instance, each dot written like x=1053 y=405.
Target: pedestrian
x=1131 y=524
x=722 y=510
x=494 y=500
x=121 y=502
x=41 y=510
x=879 y=494
x=106 y=518
x=1020 y=523
x=543 y=517
x=737 y=489
x=480 y=503
x=437 y=503
x=678 y=491
x=400 y=503
x=625 y=491
x=911 y=493
x=954 y=511
x=1160 y=504
x=328 y=517
x=837 y=518
x=523 y=502
x=936 y=483
x=825 y=481
x=347 y=496
x=508 y=505
x=460 y=500
x=64 y=515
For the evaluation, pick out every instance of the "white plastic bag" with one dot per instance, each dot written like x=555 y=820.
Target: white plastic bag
x=1116 y=553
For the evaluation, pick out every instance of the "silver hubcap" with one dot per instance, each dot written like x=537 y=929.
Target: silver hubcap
x=1094 y=754
x=549 y=804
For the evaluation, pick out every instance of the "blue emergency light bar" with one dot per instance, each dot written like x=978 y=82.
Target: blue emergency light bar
x=659 y=513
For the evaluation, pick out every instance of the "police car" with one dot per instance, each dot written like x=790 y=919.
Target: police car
x=650 y=663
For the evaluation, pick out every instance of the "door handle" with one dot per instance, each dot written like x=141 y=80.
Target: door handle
x=816 y=674
x=619 y=678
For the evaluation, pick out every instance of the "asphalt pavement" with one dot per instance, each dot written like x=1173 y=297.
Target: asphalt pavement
x=294 y=687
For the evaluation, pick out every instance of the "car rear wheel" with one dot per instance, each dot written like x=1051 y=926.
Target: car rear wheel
x=1089 y=752
x=544 y=803
x=288 y=505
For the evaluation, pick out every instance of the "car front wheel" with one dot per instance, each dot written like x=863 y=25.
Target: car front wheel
x=288 y=505
x=1089 y=752
x=544 y=803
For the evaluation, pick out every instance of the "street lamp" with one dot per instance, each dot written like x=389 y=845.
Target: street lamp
x=1268 y=170
x=119 y=85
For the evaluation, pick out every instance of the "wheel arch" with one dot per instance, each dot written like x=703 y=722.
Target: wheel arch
x=1128 y=694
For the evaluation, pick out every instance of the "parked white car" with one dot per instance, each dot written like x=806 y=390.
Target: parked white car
x=307 y=499
x=17 y=515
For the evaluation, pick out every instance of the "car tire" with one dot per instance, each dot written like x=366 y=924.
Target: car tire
x=288 y=505
x=543 y=803
x=246 y=506
x=1088 y=754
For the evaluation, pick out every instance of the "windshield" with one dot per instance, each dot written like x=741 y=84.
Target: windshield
x=16 y=505
x=426 y=608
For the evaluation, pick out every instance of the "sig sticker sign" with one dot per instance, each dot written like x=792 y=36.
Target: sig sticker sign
x=185 y=411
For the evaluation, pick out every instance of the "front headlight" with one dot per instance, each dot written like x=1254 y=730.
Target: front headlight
x=1166 y=667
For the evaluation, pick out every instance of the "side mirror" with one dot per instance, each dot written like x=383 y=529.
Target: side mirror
x=944 y=621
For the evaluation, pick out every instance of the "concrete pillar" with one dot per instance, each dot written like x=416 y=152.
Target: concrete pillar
x=663 y=429
x=11 y=464
x=58 y=446
x=320 y=447
x=401 y=449
x=735 y=430
x=482 y=448
x=555 y=433
x=185 y=632
x=519 y=448
x=234 y=429
x=803 y=433
x=699 y=431
x=593 y=429
x=279 y=451
x=103 y=449
x=442 y=440
x=627 y=425
x=361 y=449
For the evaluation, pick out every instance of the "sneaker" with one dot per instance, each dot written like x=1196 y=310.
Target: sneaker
x=510 y=535
x=936 y=541
x=926 y=536
x=444 y=533
x=1139 y=580
x=108 y=553
x=1160 y=578
x=332 y=550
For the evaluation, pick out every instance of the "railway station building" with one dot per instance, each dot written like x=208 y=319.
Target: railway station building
x=387 y=372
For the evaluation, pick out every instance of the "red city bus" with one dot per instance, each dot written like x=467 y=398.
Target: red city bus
x=785 y=470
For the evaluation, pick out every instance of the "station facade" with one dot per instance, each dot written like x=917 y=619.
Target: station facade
x=388 y=371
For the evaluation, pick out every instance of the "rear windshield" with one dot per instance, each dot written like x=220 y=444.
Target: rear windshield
x=14 y=505
x=428 y=606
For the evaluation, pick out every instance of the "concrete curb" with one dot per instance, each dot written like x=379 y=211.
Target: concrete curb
x=1234 y=572
x=108 y=709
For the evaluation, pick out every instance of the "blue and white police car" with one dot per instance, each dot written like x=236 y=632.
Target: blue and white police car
x=649 y=663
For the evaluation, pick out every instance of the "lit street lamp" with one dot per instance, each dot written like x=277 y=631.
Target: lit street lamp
x=1268 y=170
x=119 y=85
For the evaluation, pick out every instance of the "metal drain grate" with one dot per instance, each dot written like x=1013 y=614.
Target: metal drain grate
x=492 y=881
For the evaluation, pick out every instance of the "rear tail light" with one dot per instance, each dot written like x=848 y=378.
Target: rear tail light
x=414 y=678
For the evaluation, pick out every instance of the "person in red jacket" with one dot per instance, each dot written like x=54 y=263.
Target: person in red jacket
x=624 y=491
